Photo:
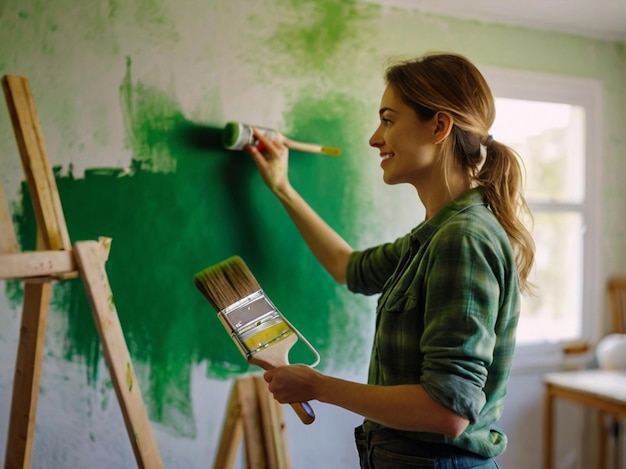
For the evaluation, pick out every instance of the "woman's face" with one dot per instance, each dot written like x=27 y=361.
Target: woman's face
x=406 y=143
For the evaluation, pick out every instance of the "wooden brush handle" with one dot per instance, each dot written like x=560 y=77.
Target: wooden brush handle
x=304 y=411
x=311 y=147
x=275 y=356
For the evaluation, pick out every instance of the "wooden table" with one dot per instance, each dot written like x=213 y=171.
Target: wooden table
x=602 y=390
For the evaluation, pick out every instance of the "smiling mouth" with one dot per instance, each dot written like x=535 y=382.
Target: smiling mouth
x=386 y=156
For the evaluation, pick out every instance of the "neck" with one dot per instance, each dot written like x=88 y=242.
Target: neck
x=437 y=194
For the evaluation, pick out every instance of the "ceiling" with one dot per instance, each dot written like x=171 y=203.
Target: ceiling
x=601 y=19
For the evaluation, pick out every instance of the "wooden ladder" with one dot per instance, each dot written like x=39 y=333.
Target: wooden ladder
x=56 y=259
x=253 y=411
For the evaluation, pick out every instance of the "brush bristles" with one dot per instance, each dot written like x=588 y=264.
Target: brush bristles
x=226 y=283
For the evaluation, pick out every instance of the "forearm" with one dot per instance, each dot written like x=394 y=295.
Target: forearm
x=330 y=249
x=403 y=407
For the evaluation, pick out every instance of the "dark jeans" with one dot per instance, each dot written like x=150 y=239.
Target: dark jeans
x=385 y=449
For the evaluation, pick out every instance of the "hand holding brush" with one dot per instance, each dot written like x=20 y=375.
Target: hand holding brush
x=261 y=333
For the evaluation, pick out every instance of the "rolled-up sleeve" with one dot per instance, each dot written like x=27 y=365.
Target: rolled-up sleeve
x=459 y=338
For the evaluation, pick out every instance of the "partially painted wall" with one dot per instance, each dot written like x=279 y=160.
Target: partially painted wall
x=131 y=97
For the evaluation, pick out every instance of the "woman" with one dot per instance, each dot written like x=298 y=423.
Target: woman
x=449 y=289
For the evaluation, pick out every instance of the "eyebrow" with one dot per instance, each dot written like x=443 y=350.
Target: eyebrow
x=383 y=109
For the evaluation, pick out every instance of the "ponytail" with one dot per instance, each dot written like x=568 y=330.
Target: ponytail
x=501 y=177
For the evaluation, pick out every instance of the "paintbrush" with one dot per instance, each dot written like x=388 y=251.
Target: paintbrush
x=236 y=136
x=260 y=332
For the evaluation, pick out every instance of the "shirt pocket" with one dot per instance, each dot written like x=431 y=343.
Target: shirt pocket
x=399 y=302
x=399 y=332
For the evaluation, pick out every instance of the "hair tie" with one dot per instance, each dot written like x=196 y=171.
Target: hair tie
x=488 y=140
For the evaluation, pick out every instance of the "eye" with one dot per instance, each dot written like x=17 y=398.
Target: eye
x=385 y=121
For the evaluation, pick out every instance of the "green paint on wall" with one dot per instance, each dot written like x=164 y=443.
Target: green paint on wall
x=148 y=120
x=113 y=8
x=308 y=38
x=184 y=204
x=314 y=31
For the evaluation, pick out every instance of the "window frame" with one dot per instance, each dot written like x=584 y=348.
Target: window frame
x=587 y=93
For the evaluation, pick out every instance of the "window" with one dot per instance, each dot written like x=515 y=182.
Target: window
x=552 y=122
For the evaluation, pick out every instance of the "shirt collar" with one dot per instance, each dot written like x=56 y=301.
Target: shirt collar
x=426 y=229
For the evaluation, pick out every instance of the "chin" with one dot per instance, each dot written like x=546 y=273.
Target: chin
x=390 y=180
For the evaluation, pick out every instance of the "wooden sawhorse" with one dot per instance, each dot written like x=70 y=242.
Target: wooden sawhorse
x=253 y=411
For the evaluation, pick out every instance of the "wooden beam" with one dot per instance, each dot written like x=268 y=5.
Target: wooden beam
x=32 y=149
x=256 y=456
x=90 y=257
x=27 y=376
x=36 y=264
x=232 y=430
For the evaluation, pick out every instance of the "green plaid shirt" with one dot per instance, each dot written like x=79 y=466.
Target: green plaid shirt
x=446 y=316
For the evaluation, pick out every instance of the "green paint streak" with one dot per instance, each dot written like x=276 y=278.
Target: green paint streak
x=148 y=120
x=318 y=32
x=311 y=37
x=52 y=25
x=113 y=8
x=152 y=16
x=105 y=392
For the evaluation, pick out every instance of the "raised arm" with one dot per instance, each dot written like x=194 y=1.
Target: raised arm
x=330 y=249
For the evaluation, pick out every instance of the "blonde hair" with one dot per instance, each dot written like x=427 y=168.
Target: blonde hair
x=450 y=83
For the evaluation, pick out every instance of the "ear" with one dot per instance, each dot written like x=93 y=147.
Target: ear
x=443 y=126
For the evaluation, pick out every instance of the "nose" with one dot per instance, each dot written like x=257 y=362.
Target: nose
x=376 y=140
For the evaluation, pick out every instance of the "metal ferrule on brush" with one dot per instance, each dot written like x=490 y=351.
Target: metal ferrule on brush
x=250 y=316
